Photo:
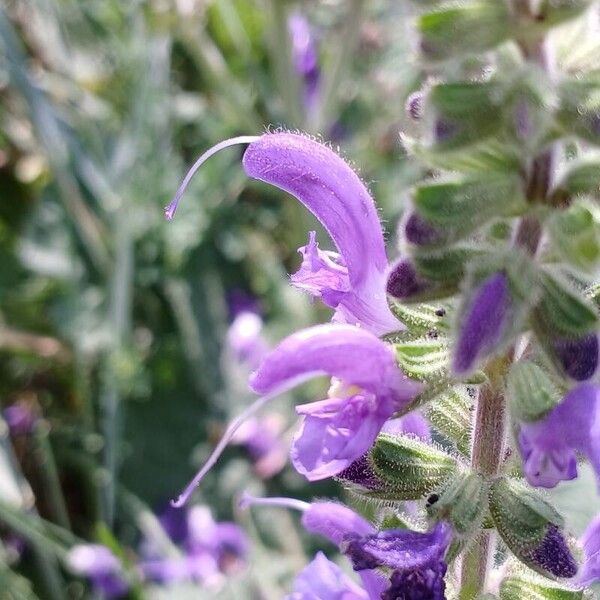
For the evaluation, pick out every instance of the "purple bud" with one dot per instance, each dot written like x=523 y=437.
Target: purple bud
x=553 y=554
x=579 y=357
x=420 y=232
x=404 y=282
x=20 y=418
x=444 y=131
x=483 y=323
x=361 y=473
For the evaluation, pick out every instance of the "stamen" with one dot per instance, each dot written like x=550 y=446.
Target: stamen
x=172 y=206
x=247 y=500
x=216 y=453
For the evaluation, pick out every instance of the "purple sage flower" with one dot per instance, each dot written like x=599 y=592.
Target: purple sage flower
x=353 y=281
x=305 y=57
x=101 y=567
x=333 y=521
x=371 y=388
x=549 y=446
x=590 y=541
x=340 y=429
x=324 y=580
x=483 y=323
x=416 y=560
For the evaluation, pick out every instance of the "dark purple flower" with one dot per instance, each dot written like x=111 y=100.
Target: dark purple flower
x=417 y=560
x=590 y=541
x=578 y=356
x=420 y=232
x=353 y=282
x=324 y=580
x=549 y=446
x=403 y=281
x=483 y=323
x=100 y=566
x=305 y=57
x=553 y=554
x=340 y=429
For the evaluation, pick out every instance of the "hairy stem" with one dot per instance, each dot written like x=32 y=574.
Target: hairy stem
x=487 y=453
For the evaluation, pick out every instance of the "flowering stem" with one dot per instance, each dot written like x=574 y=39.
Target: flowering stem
x=487 y=452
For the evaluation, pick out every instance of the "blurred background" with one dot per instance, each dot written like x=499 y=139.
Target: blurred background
x=126 y=341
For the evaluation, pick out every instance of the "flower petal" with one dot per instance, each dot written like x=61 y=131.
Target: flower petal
x=334 y=193
x=548 y=446
x=324 y=580
x=329 y=442
x=590 y=571
x=334 y=521
x=349 y=353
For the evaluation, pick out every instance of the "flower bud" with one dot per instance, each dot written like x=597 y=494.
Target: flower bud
x=530 y=527
x=530 y=391
x=410 y=469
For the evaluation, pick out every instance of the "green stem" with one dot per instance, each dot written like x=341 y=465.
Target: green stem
x=49 y=473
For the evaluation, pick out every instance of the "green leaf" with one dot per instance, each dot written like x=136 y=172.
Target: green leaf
x=466 y=28
x=461 y=114
x=565 y=311
x=579 y=110
x=530 y=391
x=425 y=359
x=411 y=468
x=575 y=233
x=580 y=177
x=445 y=268
x=524 y=584
x=420 y=318
x=463 y=503
x=465 y=203
x=451 y=416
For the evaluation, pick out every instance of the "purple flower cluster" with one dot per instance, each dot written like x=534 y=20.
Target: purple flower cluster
x=203 y=551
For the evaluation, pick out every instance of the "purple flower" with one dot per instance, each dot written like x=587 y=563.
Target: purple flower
x=483 y=323
x=549 y=446
x=100 y=566
x=333 y=521
x=245 y=340
x=340 y=429
x=305 y=57
x=417 y=560
x=336 y=431
x=590 y=541
x=262 y=439
x=20 y=418
x=353 y=281
x=324 y=580
x=209 y=549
